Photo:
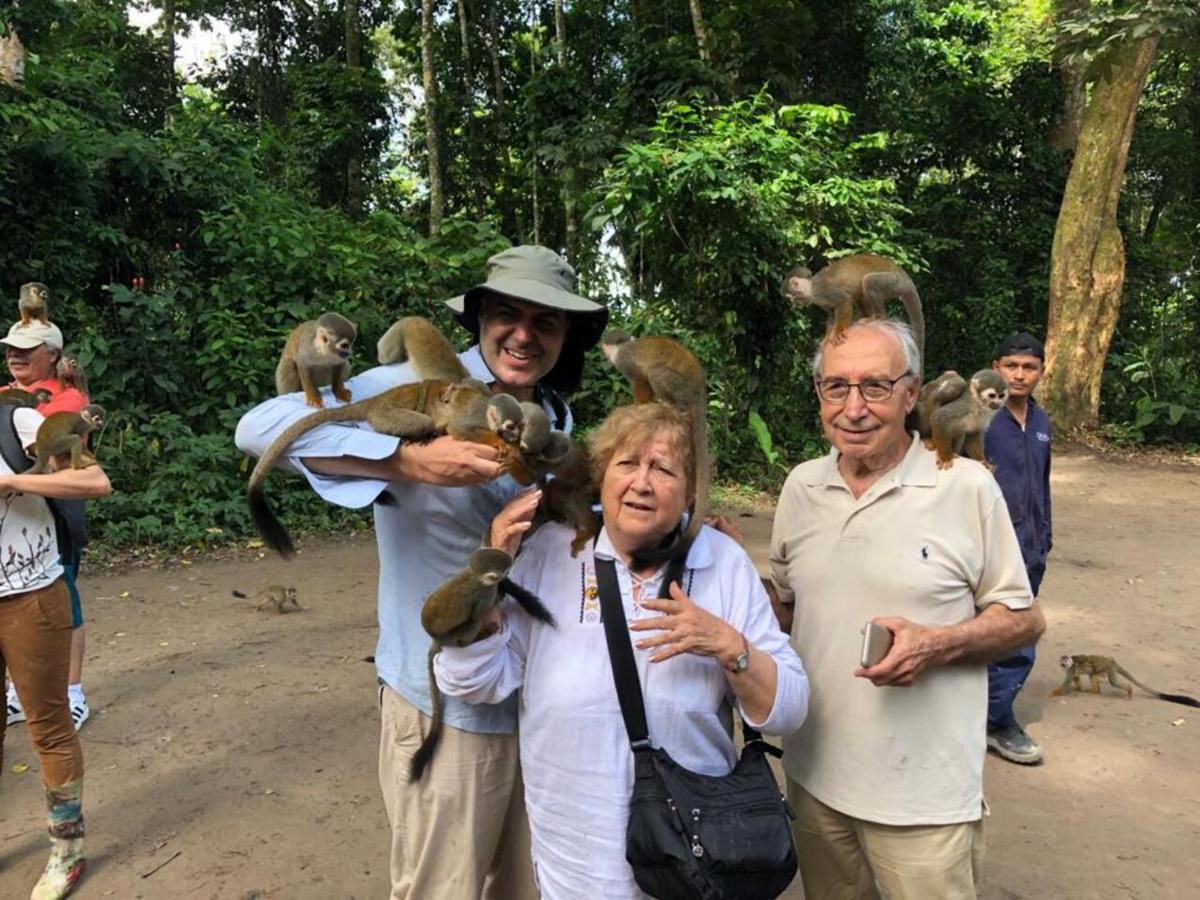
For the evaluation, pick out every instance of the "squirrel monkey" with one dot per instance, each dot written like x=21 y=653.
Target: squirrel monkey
x=854 y=286
x=659 y=368
x=953 y=414
x=416 y=340
x=317 y=353
x=274 y=595
x=570 y=497
x=413 y=411
x=70 y=374
x=1098 y=667
x=18 y=397
x=66 y=432
x=33 y=302
x=451 y=615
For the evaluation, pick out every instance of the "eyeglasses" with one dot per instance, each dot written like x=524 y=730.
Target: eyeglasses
x=872 y=390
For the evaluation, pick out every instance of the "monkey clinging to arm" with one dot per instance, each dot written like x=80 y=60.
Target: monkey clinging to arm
x=659 y=368
x=453 y=614
x=66 y=432
x=1097 y=667
x=317 y=353
x=857 y=286
x=959 y=424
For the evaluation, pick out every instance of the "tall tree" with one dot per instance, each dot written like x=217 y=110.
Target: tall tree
x=433 y=139
x=569 y=174
x=1072 y=72
x=168 y=22
x=355 y=190
x=703 y=32
x=1087 y=260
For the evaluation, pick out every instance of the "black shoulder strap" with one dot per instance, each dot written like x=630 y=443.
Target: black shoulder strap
x=69 y=519
x=620 y=654
x=10 y=441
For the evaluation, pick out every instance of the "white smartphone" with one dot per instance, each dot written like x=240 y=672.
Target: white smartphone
x=877 y=641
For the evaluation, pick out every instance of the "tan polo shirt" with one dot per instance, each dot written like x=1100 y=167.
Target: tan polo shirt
x=933 y=546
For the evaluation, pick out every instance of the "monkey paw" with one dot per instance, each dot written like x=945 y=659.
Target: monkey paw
x=945 y=463
x=343 y=395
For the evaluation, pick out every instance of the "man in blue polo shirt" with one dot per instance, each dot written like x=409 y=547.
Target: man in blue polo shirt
x=1018 y=445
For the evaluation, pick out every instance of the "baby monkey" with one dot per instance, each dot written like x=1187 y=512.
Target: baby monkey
x=954 y=414
x=33 y=301
x=1099 y=667
x=854 y=286
x=317 y=353
x=453 y=614
x=66 y=432
x=275 y=596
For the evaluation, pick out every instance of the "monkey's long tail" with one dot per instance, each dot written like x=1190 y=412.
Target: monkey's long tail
x=424 y=754
x=529 y=602
x=1182 y=699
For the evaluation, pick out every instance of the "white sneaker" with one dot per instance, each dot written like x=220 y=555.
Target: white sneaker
x=15 y=712
x=79 y=713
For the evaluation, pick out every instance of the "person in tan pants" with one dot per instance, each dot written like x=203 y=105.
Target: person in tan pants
x=35 y=640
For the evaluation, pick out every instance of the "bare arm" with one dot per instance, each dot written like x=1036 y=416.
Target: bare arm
x=993 y=634
x=783 y=611
x=443 y=461
x=64 y=484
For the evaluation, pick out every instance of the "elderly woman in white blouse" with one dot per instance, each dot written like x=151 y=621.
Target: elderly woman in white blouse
x=712 y=648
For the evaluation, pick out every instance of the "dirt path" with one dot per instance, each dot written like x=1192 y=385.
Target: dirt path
x=236 y=749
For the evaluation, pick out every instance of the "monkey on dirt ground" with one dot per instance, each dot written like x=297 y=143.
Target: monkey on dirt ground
x=1099 y=667
x=317 y=353
x=453 y=615
x=273 y=596
x=857 y=286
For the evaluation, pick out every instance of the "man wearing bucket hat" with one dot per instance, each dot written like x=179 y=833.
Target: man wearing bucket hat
x=461 y=830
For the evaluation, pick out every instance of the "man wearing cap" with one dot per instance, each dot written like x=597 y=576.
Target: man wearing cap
x=1018 y=445
x=35 y=609
x=32 y=352
x=461 y=831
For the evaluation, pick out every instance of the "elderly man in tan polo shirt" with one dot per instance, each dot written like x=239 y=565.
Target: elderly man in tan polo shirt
x=886 y=775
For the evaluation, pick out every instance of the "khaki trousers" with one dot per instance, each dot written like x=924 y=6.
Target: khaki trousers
x=459 y=833
x=843 y=858
x=35 y=648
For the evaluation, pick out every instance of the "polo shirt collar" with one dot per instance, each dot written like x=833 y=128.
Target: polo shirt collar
x=917 y=468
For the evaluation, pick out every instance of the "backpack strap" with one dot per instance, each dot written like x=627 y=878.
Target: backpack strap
x=69 y=520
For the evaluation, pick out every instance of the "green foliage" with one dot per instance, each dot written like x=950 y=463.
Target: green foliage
x=762 y=434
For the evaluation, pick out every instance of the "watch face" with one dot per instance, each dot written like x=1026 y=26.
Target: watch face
x=742 y=662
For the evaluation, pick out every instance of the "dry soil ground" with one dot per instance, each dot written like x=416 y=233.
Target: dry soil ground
x=232 y=753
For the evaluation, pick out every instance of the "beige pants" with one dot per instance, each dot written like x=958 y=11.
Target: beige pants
x=843 y=858
x=459 y=833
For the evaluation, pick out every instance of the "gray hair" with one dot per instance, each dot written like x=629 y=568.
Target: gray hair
x=900 y=332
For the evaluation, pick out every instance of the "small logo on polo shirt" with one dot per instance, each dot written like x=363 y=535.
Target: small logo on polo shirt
x=1043 y=437
x=925 y=552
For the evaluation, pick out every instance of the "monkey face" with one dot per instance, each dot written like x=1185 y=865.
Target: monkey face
x=797 y=286
x=1065 y=661
x=990 y=388
x=332 y=345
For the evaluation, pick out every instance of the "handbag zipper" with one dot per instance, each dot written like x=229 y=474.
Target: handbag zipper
x=697 y=848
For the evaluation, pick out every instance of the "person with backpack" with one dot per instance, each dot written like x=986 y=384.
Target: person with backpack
x=35 y=612
x=32 y=353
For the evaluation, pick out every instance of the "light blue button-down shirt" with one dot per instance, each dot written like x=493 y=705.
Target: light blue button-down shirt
x=425 y=537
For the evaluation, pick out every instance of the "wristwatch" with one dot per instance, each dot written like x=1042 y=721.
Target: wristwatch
x=742 y=661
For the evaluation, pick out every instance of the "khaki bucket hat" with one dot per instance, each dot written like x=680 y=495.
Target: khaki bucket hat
x=539 y=275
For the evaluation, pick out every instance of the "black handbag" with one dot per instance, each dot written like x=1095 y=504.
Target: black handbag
x=691 y=835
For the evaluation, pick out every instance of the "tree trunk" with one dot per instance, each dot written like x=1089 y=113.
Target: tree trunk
x=437 y=202
x=168 y=21
x=1064 y=130
x=268 y=63
x=569 y=176
x=1087 y=261
x=703 y=34
x=12 y=59
x=533 y=137
x=355 y=191
x=513 y=214
x=478 y=180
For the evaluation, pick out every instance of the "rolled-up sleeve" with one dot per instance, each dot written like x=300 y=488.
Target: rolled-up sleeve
x=259 y=427
x=758 y=624
x=487 y=671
